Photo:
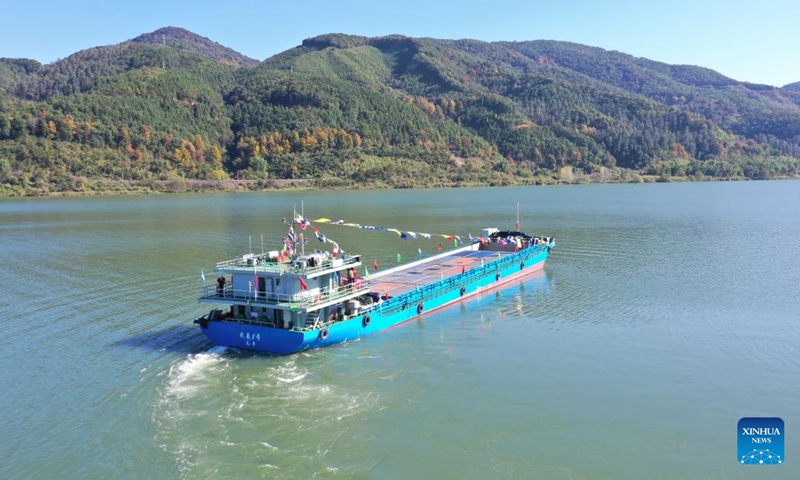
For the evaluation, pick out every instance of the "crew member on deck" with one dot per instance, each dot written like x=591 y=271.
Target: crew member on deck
x=221 y=284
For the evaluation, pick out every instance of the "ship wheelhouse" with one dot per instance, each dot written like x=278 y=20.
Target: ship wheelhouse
x=278 y=291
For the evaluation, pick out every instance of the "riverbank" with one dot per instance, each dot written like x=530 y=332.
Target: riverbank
x=91 y=187
x=88 y=187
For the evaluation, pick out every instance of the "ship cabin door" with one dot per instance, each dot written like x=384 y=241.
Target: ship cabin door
x=262 y=286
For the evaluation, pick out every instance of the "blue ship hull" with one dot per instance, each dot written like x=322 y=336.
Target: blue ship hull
x=399 y=309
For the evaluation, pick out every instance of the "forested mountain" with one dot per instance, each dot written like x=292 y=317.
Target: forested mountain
x=181 y=39
x=388 y=111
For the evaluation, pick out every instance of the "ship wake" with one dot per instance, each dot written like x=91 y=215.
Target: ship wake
x=220 y=408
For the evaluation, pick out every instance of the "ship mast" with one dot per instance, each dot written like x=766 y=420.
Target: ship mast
x=294 y=218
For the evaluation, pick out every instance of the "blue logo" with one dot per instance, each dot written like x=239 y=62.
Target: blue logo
x=760 y=441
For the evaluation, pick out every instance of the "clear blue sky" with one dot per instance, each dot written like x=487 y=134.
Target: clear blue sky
x=755 y=41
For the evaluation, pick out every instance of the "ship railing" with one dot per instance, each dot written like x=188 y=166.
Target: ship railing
x=336 y=293
x=326 y=265
x=250 y=260
x=425 y=292
x=262 y=263
x=302 y=299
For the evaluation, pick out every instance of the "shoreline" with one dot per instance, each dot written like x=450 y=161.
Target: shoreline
x=106 y=187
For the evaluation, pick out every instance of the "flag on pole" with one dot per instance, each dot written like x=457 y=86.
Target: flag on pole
x=440 y=246
x=463 y=269
x=255 y=283
x=303 y=285
x=203 y=276
x=419 y=250
x=366 y=271
x=399 y=258
x=375 y=265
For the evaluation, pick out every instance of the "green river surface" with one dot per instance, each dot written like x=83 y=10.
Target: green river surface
x=666 y=313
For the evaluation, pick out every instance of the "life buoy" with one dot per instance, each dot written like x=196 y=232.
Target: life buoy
x=419 y=309
x=323 y=334
x=497 y=277
x=463 y=291
x=366 y=321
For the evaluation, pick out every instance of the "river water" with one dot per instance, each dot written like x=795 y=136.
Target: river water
x=666 y=313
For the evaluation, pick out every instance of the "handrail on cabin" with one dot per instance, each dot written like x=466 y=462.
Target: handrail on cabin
x=301 y=299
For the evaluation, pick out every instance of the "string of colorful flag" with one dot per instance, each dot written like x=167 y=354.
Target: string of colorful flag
x=292 y=239
x=304 y=223
x=405 y=235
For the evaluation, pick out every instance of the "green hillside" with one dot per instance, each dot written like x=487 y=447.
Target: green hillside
x=349 y=111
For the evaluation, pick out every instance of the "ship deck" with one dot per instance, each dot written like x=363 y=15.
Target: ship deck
x=409 y=277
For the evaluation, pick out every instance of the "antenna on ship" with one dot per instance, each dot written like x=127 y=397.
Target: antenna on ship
x=518 y=216
x=262 y=243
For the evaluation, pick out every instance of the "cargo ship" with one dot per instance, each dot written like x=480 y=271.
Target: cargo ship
x=282 y=302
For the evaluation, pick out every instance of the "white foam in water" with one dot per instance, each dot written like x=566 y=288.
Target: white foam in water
x=293 y=379
x=217 y=350
x=185 y=375
x=288 y=373
x=271 y=447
